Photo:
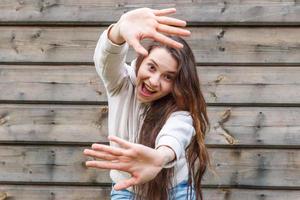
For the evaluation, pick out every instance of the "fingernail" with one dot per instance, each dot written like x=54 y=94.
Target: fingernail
x=145 y=53
x=95 y=146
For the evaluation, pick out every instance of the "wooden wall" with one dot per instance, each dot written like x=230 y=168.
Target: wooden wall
x=53 y=105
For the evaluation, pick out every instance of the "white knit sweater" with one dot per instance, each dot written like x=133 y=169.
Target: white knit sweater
x=124 y=109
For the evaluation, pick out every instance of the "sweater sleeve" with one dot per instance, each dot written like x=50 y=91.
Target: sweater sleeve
x=109 y=59
x=176 y=133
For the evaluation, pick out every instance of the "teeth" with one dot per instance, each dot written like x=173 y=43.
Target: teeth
x=151 y=90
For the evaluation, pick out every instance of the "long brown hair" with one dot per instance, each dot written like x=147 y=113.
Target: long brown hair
x=186 y=95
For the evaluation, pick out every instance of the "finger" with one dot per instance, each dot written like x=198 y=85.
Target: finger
x=99 y=155
x=107 y=165
x=138 y=47
x=166 y=40
x=170 y=21
x=108 y=149
x=173 y=30
x=166 y=11
x=123 y=143
x=125 y=184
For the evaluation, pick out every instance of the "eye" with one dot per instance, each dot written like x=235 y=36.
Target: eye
x=151 y=67
x=168 y=77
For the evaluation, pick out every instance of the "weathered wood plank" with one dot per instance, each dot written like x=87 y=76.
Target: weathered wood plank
x=210 y=45
x=82 y=83
x=196 y=12
x=262 y=126
x=254 y=126
x=255 y=167
x=250 y=84
x=47 y=164
x=53 y=123
x=15 y=192
x=234 y=167
x=51 y=83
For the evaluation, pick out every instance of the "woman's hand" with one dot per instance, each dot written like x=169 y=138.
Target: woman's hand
x=143 y=23
x=142 y=162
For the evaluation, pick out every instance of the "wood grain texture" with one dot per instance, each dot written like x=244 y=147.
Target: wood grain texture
x=234 y=167
x=16 y=192
x=53 y=123
x=81 y=83
x=256 y=149
x=48 y=164
x=51 y=83
x=210 y=45
x=254 y=126
x=196 y=12
x=35 y=192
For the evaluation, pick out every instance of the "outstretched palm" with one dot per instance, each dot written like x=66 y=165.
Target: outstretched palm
x=149 y=23
x=142 y=162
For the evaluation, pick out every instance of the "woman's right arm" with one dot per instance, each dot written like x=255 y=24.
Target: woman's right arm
x=109 y=59
x=131 y=28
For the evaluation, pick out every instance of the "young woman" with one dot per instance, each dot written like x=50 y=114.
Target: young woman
x=157 y=113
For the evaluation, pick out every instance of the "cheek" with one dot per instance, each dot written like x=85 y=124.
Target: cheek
x=142 y=73
x=167 y=87
x=139 y=77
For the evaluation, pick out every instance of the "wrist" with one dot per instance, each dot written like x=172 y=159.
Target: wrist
x=114 y=34
x=167 y=155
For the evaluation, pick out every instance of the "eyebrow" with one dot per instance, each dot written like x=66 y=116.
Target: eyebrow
x=171 y=72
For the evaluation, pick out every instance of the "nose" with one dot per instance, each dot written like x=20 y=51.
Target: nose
x=154 y=80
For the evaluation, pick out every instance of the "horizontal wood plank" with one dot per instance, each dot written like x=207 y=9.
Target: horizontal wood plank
x=36 y=192
x=254 y=126
x=15 y=192
x=81 y=83
x=233 y=167
x=210 y=45
x=53 y=123
x=195 y=12
x=51 y=83
x=47 y=164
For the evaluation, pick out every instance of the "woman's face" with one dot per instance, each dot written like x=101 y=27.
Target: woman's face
x=156 y=75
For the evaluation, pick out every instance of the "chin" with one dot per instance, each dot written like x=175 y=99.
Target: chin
x=142 y=100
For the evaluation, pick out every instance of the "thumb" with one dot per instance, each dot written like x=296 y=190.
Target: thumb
x=124 y=184
x=138 y=47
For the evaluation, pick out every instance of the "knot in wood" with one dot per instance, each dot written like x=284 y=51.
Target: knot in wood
x=3 y=195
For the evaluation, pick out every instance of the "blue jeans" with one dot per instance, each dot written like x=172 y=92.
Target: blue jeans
x=179 y=192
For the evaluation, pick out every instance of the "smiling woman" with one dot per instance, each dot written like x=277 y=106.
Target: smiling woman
x=157 y=113
x=155 y=75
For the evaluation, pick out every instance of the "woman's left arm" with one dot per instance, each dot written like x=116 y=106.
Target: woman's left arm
x=142 y=162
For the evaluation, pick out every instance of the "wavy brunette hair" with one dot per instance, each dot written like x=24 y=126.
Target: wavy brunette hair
x=186 y=95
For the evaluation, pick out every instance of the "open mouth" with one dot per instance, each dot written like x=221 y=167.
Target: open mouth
x=146 y=90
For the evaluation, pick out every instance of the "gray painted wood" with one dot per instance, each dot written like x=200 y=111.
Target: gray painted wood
x=16 y=192
x=233 y=167
x=75 y=124
x=210 y=45
x=196 y=12
x=221 y=84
